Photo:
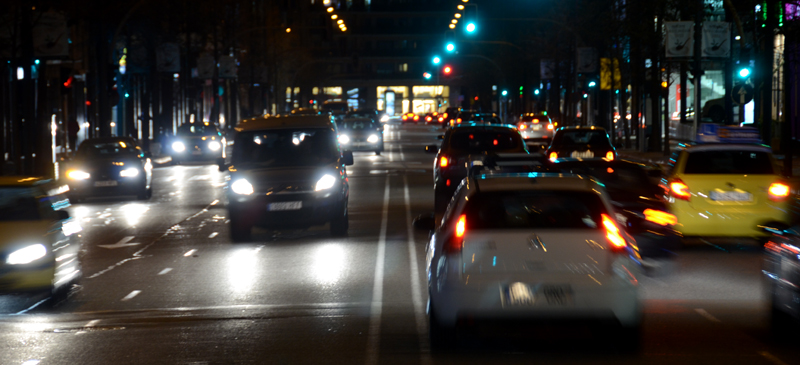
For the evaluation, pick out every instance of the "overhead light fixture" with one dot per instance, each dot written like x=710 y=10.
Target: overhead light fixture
x=454 y=21
x=452 y=26
x=340 y=21
x=458 y=15
x=334 y=16
x=330 y=9
x=460 y=7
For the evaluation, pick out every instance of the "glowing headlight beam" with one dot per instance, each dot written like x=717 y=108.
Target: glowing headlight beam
x=178 y=146
x=129 y=172
x=27 y=254
x=373 y=138
x=325 y=183
x=242 y=187
x=344 y=139
x=78 y=175
x=214 y=145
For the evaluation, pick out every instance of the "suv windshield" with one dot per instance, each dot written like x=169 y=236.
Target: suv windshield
x=477 y=140
x=18 y=204
x=89 y=149
x=729 y=162
x=286 y=147
x=192 y=129
x=357 y=124
x=535 y=209
x=592 y=137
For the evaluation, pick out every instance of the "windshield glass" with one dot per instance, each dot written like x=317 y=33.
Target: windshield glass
x=89 y=149
x=286 y=147
x=357 y=124
x=535 y=209
x=475 y=140
x=18 y=204
x=591 y=137
x=192 y=129
x=729 y=162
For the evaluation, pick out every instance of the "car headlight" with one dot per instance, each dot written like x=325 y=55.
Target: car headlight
x=27 y=254
x=325 y=183
x=344 y=139
x=178 y=146
x=373 y=138
x=385 y=118
x=129 y=172
x=78 y=175
x=214 y=146
x=242 y=187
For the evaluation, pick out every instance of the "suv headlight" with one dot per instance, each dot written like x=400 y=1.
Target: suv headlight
x=214 y=146
x=325 y=183
x=78 y=175
x=27 y=254
x=178 y=146
x=242 y=187
x=344 y=139
x=373 y=138
x=129 y=172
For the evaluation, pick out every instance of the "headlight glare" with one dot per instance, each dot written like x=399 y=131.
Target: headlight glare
x=214 y=146
x=27 y=254
x=373 y=138
x=78 y=175
x=178 y=146
x=242 y=187
x=344 y=139
x=385 y=118
x=129 y=172
x=325 y=183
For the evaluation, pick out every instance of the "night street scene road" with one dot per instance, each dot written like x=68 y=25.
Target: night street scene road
x=400 y=182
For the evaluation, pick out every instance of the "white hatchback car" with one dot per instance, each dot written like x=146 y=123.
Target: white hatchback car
x=532 y=246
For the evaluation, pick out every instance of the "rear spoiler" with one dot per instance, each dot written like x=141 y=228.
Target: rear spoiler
x=501 y=163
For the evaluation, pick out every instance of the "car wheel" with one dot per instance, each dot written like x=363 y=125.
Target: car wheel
x=441 y=337
x=240 y=231
x=340 y=223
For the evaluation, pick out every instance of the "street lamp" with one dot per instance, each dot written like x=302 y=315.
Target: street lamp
x=436 y=60
x=452 y=26
x=450 y=47
x=330 y=9
x=470 y=27
x=458 y=15
x=460 y=7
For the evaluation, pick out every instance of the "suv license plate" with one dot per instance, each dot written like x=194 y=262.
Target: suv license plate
x=105 y=183
x=731 y=196
x=557 y=294
x=585 y=154
x=285 y=206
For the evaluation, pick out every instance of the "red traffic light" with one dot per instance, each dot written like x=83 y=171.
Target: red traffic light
x=447 y=70
x=68 y=83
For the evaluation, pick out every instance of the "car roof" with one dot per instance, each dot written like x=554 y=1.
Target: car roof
x=727 y=147
x=284 y=121
x=22 y=180
x=534 y=181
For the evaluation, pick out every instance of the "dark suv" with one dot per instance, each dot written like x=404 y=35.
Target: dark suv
x=287 y=173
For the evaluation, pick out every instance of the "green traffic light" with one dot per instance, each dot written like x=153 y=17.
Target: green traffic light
x=450 y=47
x=744 y=72
x=505 y=92
x=436 y=60
x=470 y=27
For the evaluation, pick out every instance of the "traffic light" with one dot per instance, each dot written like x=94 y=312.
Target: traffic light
x=427 y=75
x=536 y=92
x=743 y=72
x=436 y=60
x=592 y=83
x=450 y=41
x=450 y=47
x=504 y=93
x=520 y=90
x=470 y=19
x=447 y=70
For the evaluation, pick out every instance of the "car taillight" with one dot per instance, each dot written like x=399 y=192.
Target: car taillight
x=610 y=155
x=444 y=115
x=553 y=156
x=428 y=119
x=536 y=121
x=441 y=119
x=461 y=226
x=522 y=126
x=458 y=120
x=443 y=162
x=778 y=191
x=659 y=217
x=615 y=241
x=550 y=127
x=416 y=117
x=405 y=117
x=679 y=190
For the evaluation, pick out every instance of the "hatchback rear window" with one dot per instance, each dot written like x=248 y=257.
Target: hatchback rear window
x=485 y=140
x=535 y=209
x=729 y=162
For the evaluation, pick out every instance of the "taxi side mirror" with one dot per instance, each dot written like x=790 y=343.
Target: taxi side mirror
x=348 y=158
x=432 y=148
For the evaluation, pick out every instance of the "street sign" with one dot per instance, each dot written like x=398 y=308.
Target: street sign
x=742 y=94
x=715 y=133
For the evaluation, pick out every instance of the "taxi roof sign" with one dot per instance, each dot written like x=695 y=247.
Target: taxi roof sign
x=715 y=133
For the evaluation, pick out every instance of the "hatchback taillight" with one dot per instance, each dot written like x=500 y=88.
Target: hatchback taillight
x=778 y=191
x=550 y=127
x=553 y=156
x=679 y=190
x=610 y=155
x=456 y=242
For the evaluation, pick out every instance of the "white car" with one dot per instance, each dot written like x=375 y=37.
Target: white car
x=532 y=246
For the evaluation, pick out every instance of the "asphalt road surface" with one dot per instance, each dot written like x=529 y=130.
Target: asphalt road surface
x=163 y=284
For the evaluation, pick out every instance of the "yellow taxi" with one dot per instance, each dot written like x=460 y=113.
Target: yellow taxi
x=726 y=190
x=38 y=240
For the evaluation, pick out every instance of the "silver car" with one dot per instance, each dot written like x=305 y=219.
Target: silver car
x=536 y=127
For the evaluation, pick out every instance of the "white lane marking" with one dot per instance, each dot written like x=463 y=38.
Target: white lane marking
x=374 y=334
x=131 y=295
x=31 y=307
x=213 y=235
x=416 y=298
x=772 y=358
x=707 y=315
x=92 y=323
x=162 y=272
x=190 y=252
x=122 y=243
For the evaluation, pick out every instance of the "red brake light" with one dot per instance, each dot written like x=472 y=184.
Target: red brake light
x=443 y=162
x=550 y=127
x=458 y=120
x=455 y=244
x=610 y=155
x=461 y=226
x=536 y=120
x=778 y=191
x=615 y=240
x=428 y=119
x=441 y=119
x=416 y=117
x=553 y=156
x=679 y=189
x=405 y=117
x=659 y=217
x=522 y=126
x=494 y=142
x=444 y=115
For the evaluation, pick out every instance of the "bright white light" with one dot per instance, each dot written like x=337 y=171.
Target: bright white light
x=242 y=270
x=134 y=213
x=129 y=172
x=78 y=175
x=27 y=254
x=344 y=139
x=471 y=27
x=385 y=118
x=326 y=182
x=214 y=145
x=373 y=138
x=328 y=264
x=242 y=187
x=178 y=146
x=20 y=73
x=70 y=227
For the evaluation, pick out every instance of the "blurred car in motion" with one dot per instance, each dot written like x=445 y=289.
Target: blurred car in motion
x=536 y=127
x=110 y=166
x=361 y=134
x=196 y=141
x=514 y=248
x=728 y=190
x=365 y=113
x=338 y=109
x=582 y=143
x=451 y=164
x=39 y=245
x=432 y=118
x=781 y=270
x=641 y=204
x=409 y=118
x=287 y=173
x=449 y=115
x=463 y=116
